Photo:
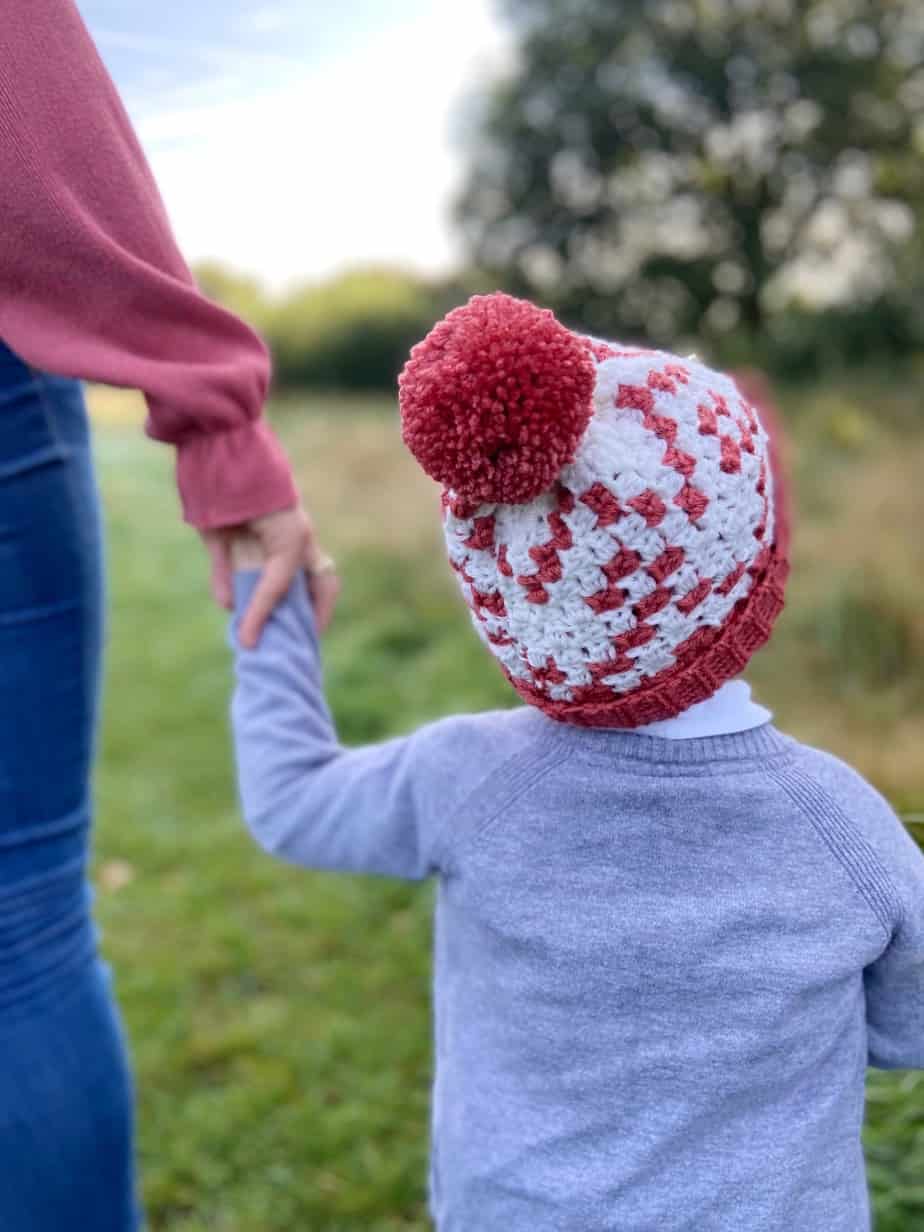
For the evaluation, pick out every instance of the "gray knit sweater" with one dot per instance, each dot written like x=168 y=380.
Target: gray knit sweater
x=661 y=967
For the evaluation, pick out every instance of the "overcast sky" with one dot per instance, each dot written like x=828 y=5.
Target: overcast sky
x=291 y=138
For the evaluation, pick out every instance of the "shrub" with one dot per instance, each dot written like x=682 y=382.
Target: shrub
x=868 y=635
x=353 y=332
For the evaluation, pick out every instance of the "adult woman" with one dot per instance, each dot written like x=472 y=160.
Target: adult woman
x=92 y=287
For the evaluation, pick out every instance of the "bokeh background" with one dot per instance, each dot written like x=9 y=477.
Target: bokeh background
x=742 y=178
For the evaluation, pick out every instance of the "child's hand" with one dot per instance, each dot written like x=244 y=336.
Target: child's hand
x=248 y=552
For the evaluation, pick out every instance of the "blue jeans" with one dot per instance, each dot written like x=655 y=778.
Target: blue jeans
x=66 y=1150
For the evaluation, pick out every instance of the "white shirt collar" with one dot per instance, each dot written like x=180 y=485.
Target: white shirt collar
x=729 y=710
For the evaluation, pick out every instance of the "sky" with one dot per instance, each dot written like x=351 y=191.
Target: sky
x=294 y=138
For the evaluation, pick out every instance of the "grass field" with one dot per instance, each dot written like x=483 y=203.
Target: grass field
x=279 y=1020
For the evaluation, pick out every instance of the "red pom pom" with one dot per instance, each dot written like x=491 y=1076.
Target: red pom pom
x=495 y=399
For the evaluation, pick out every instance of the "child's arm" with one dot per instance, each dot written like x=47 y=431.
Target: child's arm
x=379 y=809
x=887 y=867
x=895 y=981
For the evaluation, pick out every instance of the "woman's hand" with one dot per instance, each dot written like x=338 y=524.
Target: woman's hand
x=278 y=544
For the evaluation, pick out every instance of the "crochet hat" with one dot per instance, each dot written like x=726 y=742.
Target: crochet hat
x=615 y=516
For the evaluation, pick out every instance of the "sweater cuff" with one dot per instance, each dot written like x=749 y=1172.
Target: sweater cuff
x=226 y=478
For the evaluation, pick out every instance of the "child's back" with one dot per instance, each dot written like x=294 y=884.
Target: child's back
x=662 y=965
x=650 y=996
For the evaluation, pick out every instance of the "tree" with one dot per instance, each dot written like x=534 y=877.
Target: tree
x=240 y=293
x=665 y=168
x=353 y=331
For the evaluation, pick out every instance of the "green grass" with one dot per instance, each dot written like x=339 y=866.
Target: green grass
x=279 y=1019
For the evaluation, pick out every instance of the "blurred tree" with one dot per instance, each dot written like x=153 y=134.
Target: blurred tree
x=672 y=167
x=353 y=332
x=240 y=293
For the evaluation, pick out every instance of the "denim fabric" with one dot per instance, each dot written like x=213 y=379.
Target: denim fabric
x=66 y=1151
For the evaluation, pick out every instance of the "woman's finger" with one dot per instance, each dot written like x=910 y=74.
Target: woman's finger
x=274 y=582
x=219 y=551
x=324 y=589
x=323 y=583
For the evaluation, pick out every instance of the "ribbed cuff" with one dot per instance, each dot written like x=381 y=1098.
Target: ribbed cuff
x=226 y=478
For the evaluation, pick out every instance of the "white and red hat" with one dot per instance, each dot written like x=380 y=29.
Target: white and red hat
x=615 y=515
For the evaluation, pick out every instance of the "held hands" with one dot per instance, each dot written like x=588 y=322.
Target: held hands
x=278 y=544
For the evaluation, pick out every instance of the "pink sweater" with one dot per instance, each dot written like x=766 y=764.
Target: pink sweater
x=92 y=284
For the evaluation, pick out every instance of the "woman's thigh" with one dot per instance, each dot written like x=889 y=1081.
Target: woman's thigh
x=51 y=599
x=50 y=647
x=65 y=1097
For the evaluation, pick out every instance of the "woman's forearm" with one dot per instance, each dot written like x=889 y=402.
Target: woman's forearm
x=92 y=284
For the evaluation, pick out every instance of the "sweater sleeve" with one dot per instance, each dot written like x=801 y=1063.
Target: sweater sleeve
x=894 y=983
x=304 y=798
x=398 y=808
x=92 y=284
x=887 y=865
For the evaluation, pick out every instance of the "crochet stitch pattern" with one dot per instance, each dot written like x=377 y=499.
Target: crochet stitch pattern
x=652 y=563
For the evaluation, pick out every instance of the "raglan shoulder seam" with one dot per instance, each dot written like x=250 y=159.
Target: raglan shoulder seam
x=522 y=769
x=855 y=855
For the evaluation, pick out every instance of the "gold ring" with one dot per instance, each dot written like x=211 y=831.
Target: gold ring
x=324 y=565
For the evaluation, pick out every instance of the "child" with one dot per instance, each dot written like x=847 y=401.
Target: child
x=669 y=939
